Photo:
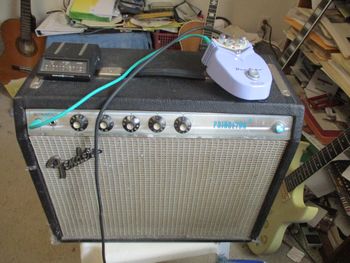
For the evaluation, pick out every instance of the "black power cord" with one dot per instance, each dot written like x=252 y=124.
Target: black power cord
x=301 y=246
x=99 y=117
x=270 y=40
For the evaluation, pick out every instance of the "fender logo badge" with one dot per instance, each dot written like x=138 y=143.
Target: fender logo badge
x=81 y=156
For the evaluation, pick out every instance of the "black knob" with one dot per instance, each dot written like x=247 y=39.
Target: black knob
x=131 y=123
x=79 y=122
x=157 y=124
x=182 y=125
x=106 y=123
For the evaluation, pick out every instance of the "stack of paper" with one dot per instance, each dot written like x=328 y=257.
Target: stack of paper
x=152 y=21
x=296 y=18
x=338 y=69
x=57 y=24
x=336 y=28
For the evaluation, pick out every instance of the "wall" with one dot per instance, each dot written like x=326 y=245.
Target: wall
x=245 y=13
x=248 y=13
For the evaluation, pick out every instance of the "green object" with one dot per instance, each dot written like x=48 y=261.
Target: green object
x=85 y=16
x=82 y=10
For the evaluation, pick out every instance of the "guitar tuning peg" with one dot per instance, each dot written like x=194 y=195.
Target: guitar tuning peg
x=222 y=39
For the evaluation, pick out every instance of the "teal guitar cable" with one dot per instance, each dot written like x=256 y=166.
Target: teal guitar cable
x=39 y=123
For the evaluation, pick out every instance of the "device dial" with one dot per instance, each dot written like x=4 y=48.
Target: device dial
x=182 y=125
x=79 y=122
x=156 y=123
x=106 y=123
x=279 y=127
x=131 y=123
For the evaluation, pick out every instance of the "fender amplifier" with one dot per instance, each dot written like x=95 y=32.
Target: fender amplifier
x=180 y=159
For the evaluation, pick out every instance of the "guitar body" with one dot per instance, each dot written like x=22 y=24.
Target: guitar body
x=10 y=33
x=194 y=44
x=287 y=208
x=191 y=44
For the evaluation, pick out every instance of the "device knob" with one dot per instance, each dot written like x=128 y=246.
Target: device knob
x=279 y=127
x=106 y=123
x=131 y=123
x=253 y=74
x=79 y=122
x=182 y=125
x=156 y=123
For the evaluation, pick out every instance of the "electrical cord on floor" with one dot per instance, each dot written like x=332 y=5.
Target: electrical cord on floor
x=270 y=40
x=99 y=117
x=300 y=245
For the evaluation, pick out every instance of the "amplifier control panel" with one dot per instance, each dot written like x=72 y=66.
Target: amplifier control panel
x=165 y=124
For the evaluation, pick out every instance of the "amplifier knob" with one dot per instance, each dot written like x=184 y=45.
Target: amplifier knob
x=157 y=124
x=182 y=125
x=106 y=123
x=131 y=123
x=279 y=127
x=79 y=122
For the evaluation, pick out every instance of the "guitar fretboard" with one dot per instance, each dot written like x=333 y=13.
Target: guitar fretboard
x=318 y=160
x=304 y=32
x=26 y=20
x=213 y=6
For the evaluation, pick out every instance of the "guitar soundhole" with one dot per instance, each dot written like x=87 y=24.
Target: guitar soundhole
x=27 y=48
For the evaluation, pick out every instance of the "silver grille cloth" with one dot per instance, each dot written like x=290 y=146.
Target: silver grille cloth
x=163 y=188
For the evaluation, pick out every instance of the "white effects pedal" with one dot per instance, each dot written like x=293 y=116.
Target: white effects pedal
x=233 y=65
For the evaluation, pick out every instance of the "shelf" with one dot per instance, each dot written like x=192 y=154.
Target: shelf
x=313 y=140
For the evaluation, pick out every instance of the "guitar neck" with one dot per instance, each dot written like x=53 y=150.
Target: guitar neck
x=26 y=20
x=318 y=161
x=213 y=7
x=304 y=32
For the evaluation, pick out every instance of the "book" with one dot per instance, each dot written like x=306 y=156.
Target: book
x=338 y=29
x=337 y=74
x=296 y=17
x=341 y=61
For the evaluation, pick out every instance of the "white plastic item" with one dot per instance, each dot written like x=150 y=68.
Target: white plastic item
x=147 y=252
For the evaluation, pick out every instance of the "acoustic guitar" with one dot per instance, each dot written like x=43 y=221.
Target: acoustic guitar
x=195 y=44
x=22 y=49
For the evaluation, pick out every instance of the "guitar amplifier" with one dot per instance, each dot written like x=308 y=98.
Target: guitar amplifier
x=180 y=158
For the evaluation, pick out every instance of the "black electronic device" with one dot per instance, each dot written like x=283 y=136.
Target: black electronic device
x=342 y=185
x=311 y=236
x=180 y=158
x=70 y=61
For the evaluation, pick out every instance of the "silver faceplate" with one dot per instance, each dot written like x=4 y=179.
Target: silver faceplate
x=204 y=125
x=207 y=184
x=161 y=188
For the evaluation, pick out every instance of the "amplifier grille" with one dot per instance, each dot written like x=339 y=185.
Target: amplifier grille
x=161 y=188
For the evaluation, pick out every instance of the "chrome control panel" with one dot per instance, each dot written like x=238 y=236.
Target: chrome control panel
x=164 y=124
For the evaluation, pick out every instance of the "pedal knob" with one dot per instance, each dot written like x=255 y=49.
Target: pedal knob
x=131 y=123
x=106 y=123
x=79 y=122
x=156 y=124
x=182 y=125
